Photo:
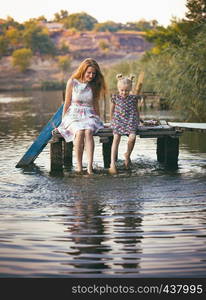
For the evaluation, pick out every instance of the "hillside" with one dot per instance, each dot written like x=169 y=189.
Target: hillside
x=107 y=48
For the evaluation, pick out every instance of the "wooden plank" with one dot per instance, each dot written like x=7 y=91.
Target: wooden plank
x=41 y=141
x=143 y=131
x=188 y=126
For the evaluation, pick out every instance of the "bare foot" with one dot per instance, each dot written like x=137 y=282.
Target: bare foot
x=113 y=170
x=90 y=171
x=79 y=171
x=127 y=161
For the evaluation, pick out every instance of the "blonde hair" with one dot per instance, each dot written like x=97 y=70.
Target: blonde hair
x=125 y=81
x=98 y=83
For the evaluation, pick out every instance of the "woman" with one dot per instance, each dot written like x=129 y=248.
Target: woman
x=81 y=117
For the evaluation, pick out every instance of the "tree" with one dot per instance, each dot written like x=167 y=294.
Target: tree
x=197 y=10
x=103 y=45
x=13 y=35
x=178 y=33
x=141 y=25
x=4 y=43
x=80 y=21
x=36 y=38
x=178 y=74
x=22 y=58
x=64 y=63
x=61 y=16
x=107 y=26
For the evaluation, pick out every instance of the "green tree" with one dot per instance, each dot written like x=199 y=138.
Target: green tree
x=103 y=45
x=22 y=58
x=36 y=38
x=178 y=74
x=14 y=36
x=141 y=25
x=197 y=10
x=4 y=44
x=64 y=63
x=80 y=21
x=61 y=16
x=178 y=33
x=175 y=66
x=107 y=26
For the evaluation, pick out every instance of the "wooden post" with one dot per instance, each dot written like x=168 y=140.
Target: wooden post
x=68 y=154
x=161 y=149
x=106 y=149
x=139 y=84
x=168 y=150
x=56 y=156
x=172 y=151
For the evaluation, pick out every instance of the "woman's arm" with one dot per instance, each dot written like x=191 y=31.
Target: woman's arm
x=68 y=96
x=96 y=107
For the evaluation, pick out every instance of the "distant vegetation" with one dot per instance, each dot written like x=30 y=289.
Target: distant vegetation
x=34 y=37
x=175 y=67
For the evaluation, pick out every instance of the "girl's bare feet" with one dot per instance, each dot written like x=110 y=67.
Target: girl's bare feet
x=113 y=170
x=127 y=161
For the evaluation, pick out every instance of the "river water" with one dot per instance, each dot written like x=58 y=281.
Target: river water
x=149 y=222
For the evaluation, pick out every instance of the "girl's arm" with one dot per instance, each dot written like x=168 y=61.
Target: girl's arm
x=138 y=113
x=112 y=110
x=68 y=96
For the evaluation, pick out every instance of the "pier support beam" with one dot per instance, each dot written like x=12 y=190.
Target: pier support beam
x=68 y=154
x=56 y=161
x=106 y=149
x=168 y=150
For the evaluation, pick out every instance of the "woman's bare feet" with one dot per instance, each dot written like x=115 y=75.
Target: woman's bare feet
x=78 y=170
x=127 y=161
x=90 y=171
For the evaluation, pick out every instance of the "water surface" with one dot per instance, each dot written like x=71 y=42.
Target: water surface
x=147 y=222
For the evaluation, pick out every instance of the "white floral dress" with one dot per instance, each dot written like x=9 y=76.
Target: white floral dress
x=80 y=114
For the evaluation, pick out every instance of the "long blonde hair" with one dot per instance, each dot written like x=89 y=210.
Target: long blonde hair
x=98 y=85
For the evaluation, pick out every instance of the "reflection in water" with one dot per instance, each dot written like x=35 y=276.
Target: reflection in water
x=149 y=222
x=105 y=236
x=87 y=235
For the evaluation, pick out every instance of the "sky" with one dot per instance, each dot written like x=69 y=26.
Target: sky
x=114 y=10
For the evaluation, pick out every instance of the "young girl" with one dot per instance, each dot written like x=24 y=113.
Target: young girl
x=124 y=119
x=81 y=110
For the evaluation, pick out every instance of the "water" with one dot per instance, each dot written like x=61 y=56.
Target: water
x=149 y=222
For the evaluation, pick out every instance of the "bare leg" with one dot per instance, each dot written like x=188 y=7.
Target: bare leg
x=114 y=151
x=79 y=148
x=89 y=143
x=130 y=147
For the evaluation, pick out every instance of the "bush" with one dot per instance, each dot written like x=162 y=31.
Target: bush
x=53 y=85
x=22 y=58
x=64 y=63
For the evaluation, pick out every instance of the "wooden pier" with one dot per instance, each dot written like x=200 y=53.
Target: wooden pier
x=61 y=153
x=198 y=127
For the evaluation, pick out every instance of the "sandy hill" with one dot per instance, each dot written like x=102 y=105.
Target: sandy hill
x=107 y=48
